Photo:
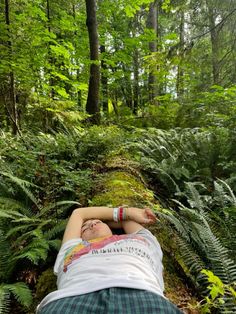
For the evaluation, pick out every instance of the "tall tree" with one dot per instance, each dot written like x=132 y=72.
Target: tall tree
x=104 y=80
x=92 y=105
x=10 y=102
x=214 y=35
x=152 y=24
x=180 y=71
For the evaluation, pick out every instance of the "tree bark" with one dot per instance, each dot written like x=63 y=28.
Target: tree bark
x=152 y=24
x=50 y=58
x=79 y=93
x=214 y=32
x=13 y=112
x=180 y=73
x=136 y=81
x=104 y=82
x=92 y=105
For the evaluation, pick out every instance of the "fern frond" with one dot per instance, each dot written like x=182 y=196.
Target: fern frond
x=55 y=244
x=4 y=300
x=190 y=257
x=23 y=184
x=194 y=229
x=21 y=292
x=33 y=254
x=5 y=258
x=217 y=255
x=194 y=197
x=230 y=196
x=46 y=209
x=178 y=225
x=23 y=230
x=10 y=203
x=11 y=214
x=57 y=229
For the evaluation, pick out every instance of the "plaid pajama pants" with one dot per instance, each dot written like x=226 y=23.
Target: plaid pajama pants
x=112 y=301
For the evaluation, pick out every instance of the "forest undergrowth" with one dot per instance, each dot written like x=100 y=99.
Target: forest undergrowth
x=190 y=171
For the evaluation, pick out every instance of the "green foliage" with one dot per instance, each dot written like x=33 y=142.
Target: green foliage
x=32 y=221
x=28 y=237
x=93 y=166
x=46 y=284
x=119 y=187
x=49 y=163
x=215 y=107
x=219 y=294
x=98 y=142
x=8 y=287
x=205 y=239
x=186 y=155
x=134 y=6
x=19 y=290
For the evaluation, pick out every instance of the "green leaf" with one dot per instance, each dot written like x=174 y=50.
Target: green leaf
x=212 y=278
x=21 y=292
x=60 y=75
x=215 y=291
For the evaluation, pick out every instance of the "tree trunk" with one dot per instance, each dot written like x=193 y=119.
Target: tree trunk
x=180 y=73
x=92 y=105
x=50 y=58
x=152 y=24
x=104 y=82
x=136 y=81
x=160 y=86
x=214 y=32
x=79 y=93
x=12 y=111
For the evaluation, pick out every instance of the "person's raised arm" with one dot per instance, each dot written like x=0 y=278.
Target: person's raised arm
x=79 y=215
x=140 y=217
x=132 y=214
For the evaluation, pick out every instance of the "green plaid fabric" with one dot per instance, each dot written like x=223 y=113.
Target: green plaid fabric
x=112 y=301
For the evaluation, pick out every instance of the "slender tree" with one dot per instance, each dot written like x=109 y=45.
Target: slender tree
x=92 y=105
x=104 y=81
x=152 y=24
x=214 y=32
x=11 y=106
x=180 y=73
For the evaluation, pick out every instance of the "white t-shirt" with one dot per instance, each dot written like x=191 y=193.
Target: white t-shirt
x=128 y=260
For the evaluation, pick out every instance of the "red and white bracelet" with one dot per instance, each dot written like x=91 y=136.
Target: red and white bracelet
x=119 y=214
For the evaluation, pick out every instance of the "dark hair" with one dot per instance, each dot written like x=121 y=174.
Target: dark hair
x=117 y=231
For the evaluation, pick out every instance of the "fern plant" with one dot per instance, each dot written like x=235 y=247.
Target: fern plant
x=201 y=237
x=184 y=155
x=27 y=236
x=8 y=287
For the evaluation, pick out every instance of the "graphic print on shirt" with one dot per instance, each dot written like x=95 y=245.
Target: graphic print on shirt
x=98 y=246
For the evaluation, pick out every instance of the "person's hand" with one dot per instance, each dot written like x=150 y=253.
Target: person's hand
x=141 y=216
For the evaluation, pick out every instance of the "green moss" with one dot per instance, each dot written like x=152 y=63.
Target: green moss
x=123 y=185
x=46 y=284
x=121 y=188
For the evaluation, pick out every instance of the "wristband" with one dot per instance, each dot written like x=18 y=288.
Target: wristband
x=121 y=211
x=115 y=214
x=124 y=214
x=119 y=214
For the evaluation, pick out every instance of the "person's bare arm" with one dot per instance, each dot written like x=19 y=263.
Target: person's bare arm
x=79 y=215
x=135 y=216
x=133 y=225
x=128 y=226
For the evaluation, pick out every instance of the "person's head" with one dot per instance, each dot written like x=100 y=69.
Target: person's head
x=94 y=228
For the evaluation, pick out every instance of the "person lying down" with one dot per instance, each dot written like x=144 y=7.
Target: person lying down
x=101 y=272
